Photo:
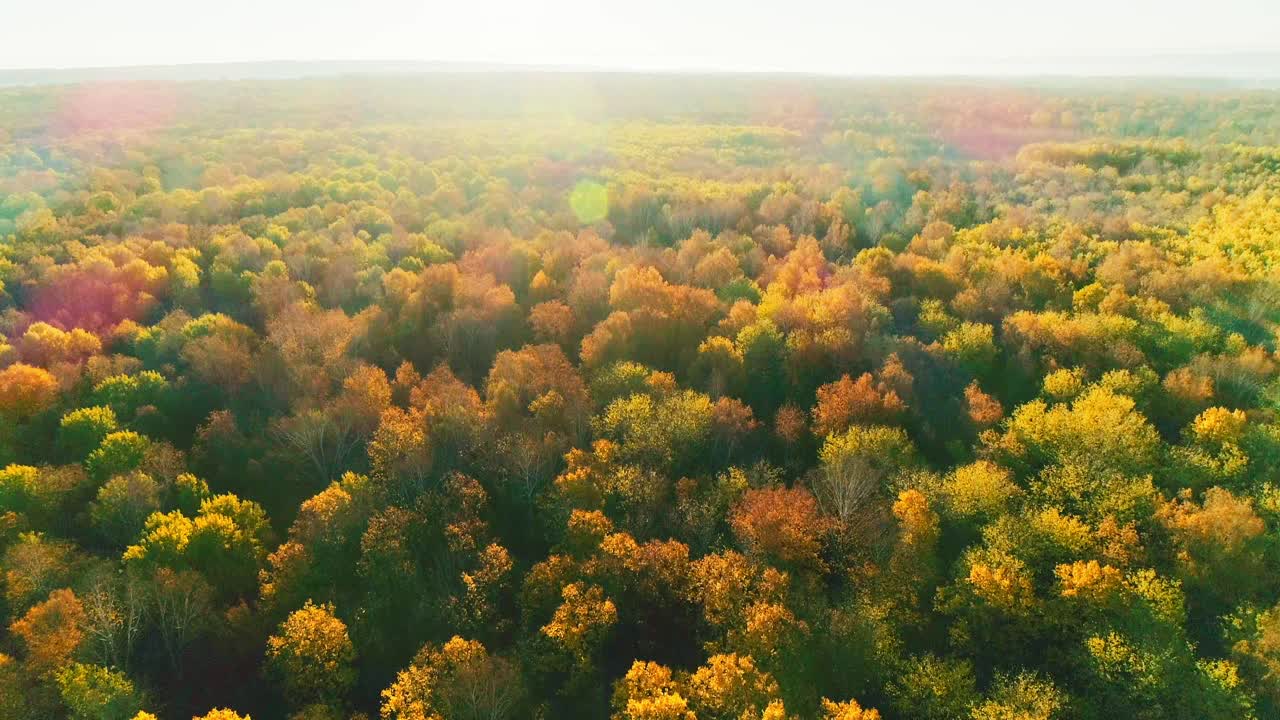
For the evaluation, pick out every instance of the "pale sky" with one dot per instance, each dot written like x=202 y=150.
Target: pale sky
x=827 y=36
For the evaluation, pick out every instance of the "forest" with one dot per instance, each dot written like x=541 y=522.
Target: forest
x=527 y=396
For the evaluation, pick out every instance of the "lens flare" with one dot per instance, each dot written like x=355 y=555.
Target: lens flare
x=117 y=106
x=589 y=201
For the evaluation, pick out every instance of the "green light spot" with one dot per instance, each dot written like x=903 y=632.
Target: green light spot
x=590 y=202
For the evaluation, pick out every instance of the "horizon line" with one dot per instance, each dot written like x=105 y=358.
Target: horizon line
x=990 y=66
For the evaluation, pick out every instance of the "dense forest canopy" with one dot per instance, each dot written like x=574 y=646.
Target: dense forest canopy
x=533 y=396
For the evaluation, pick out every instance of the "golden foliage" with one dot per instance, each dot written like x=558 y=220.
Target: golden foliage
x=728 y=686
x=582 y=620
x=1087 y=579
x=26 y=390
x=313 y=653
x=51 y=632
x=847 y=710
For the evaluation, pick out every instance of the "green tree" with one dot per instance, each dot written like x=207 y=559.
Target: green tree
x=82 y=430
x=119 y=452
x=226 y=542
x=93 y=692
x=670 y=432
x=123 y=505
x=764 y=353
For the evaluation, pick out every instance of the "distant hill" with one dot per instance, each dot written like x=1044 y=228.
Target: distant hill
x=1239 y=69
x=1247 y=67
x=273 y=70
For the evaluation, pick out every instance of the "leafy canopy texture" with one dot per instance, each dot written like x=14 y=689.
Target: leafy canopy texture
x=520 y=396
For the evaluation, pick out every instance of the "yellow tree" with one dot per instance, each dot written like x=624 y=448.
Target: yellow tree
x=729 y=687
x=312 y=655
x=649 y=692
x=457 y=681
x=26 y=390
x=581 y=622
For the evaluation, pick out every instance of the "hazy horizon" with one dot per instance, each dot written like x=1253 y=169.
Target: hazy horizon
x=926 y=38
x=1240 y=70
